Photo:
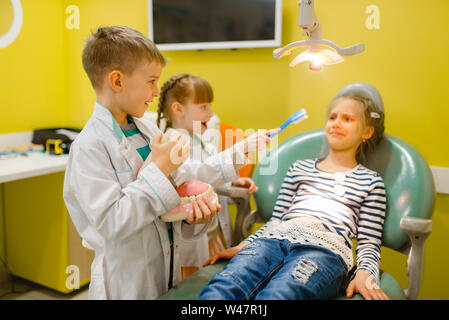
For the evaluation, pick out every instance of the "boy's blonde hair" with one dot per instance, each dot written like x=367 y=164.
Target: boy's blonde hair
x=181 y=87
x=117 y=48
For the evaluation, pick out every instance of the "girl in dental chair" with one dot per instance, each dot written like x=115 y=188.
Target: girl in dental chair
x=305 y=250
x=184 y=100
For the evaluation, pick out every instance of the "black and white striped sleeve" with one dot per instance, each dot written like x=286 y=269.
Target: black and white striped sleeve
x=370 y=226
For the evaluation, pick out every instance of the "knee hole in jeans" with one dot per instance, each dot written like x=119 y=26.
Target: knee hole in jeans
x=304 y=270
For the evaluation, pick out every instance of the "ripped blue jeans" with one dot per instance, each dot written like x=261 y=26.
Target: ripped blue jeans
x=275 y=269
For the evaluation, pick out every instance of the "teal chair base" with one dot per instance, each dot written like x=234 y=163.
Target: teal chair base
x=191 y=287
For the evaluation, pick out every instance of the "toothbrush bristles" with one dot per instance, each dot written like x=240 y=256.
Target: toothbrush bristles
x=300 y=119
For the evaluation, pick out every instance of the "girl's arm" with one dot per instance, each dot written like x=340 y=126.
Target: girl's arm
x=215 y=170
x=370 y=227
x=226 y=254
x=245 y=182
x=369 y=241
x=223 y=167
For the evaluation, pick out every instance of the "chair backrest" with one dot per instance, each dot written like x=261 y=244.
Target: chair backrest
x=408 y=180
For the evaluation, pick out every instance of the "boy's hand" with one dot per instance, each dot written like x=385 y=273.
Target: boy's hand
x=365 y=284
x=202 y=212
x=226 y=254
x=258 y=140
x=170 y=155
x=246 y=183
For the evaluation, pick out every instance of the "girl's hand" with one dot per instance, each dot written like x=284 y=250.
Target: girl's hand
x=258 y=140
x=365 y=284
x=226 y=254
x=246 y=183
x=202 y=212
x=170 y=155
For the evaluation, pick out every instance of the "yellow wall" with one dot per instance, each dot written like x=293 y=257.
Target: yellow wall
x=32 y=76
x=405 y=59
x=234 y=75
x=32 y=68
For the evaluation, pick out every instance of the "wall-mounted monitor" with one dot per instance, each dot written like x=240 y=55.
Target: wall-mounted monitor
x=214 y=24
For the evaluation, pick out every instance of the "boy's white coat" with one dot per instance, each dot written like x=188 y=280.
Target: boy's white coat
x=117 y=210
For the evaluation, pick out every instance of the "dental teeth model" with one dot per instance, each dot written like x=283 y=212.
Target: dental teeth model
x=190 y=191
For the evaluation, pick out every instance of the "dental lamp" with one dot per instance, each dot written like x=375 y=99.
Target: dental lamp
x=320 y=51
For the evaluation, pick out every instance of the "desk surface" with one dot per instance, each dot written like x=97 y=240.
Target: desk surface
x=35 y=164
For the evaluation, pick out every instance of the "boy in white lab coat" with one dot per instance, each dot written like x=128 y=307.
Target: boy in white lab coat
x=114 y=203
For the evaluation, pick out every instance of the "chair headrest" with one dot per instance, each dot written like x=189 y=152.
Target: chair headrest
x=365 y=90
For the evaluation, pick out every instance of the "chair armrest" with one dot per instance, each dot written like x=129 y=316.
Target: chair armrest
x=245 y=217
x=233 y=192
x=418 y=230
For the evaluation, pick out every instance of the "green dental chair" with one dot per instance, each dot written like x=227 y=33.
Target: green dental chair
x=410 y=200
x=410 y=197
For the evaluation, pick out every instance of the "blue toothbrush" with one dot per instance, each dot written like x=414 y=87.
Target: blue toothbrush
x=295 y=118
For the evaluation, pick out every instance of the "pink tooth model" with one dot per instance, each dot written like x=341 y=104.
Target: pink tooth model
x=190 y=191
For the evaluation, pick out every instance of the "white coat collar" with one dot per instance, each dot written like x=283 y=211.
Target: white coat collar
x=103 y=114
x=148 y=129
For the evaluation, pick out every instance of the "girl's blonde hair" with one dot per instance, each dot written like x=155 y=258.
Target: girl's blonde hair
x=180 y=88
x=372 y=115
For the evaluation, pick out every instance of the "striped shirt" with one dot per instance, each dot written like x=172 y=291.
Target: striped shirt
x=351 y=204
